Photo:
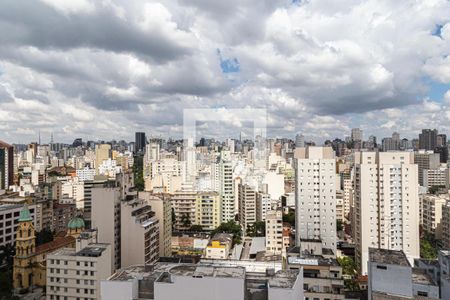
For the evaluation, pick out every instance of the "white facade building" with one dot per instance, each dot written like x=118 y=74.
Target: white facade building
x=315 y=171
x=386 y=213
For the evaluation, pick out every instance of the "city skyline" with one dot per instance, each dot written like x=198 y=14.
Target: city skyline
x=317 y=67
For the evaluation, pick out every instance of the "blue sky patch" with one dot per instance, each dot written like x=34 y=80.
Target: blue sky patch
x=229 y=65
x=436 y=89
x=438 y=30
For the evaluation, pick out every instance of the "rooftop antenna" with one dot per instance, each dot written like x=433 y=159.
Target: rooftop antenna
x=39 y=137
x=51 y=138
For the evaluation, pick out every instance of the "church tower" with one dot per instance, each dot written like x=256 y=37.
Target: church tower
x=25 y=248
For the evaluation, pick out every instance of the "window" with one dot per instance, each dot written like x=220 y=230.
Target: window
x=381 y=267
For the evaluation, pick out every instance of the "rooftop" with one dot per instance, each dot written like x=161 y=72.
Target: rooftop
x=283 y=279
x=55 y=244
x=390 y=257
x=420 y=276
x=93 y=250
x=208 y=271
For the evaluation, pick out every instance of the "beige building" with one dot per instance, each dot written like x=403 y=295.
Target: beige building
x=432 y=213
x=102 y=153
x=247 y=206
x=436 y=177
x=315 y=197
x=105 y=217
x=76 y=273
x=139 y=236
x=340 y=205
x=274 y=232
x=347 y=198
x=163 y=211
x=426 y=160
x=446 y=225
x=386 y=199
x=184 y=207
x=208 y=210
x=322 y=275
x=263 y=205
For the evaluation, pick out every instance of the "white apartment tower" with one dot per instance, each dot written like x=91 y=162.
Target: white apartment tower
x=315 y=195
x=247 y=206
x=386 y=213
x=226 y=190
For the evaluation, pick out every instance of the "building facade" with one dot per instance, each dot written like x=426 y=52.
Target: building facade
x=386 y=213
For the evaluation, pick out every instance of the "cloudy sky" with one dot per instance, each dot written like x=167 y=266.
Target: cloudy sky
x=104 y=69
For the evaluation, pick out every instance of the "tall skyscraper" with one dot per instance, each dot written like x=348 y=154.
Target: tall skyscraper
x=357 y=135
x=140 y=142
x=6 y=165
x=386 y=201
x=315 y=195
x=299 y=141
x=428 y=139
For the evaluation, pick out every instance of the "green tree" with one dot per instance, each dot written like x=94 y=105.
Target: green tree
x=185 y=220
x=339 y=225
x=230 y=227
x=196 y=228
x=257 y=229
x=174 y=218
x=138 y=172
x=290 y=217
x=7 y=253
x=348 y=265
x=44 y=236
x=428 y=247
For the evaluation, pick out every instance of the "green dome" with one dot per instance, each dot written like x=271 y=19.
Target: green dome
x=76 y=223
x=25 y=214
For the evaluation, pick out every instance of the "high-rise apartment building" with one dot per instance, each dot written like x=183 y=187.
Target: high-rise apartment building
x=428 y=139
x=263 y=205
x=163 y=211
x=184 y=207
x=299 y=141
x=386 y=201
x=139 y=233
x=226 y=189
x=6 y=165
x=432 y=206
x=208 y=210
x=391 y=143
x=274 y=232
x=445 y=221
x=315 y=195
x=357 y=135
x=140 y=142
x=247 y=205
x=426 y=160
x=102 y=153
x=105 y=218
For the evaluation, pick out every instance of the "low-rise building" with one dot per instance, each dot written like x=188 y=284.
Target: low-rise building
x=221 y=280
x=75 y=273
x=444 y=265
x=322 y=277
x=392 y=277
x=219 y=247
x=445 y=222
